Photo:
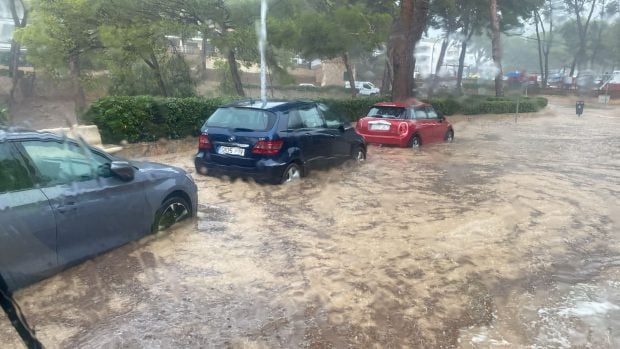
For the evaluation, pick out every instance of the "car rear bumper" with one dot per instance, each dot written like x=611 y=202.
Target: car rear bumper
x=388 y=139
x=268 y=170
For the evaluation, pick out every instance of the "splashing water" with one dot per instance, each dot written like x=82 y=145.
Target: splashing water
x=262 y=42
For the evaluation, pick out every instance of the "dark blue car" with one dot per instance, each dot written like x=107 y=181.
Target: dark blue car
x=275 y=142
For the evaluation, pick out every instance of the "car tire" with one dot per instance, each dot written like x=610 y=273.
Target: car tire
x=449 y=138
x=358 y=154
x=415 y=142
x=172 y=211
x=292 y=173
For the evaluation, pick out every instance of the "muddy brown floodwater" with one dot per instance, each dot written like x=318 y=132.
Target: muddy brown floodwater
x=508 y=237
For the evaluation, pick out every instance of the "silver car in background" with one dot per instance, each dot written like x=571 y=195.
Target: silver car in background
x=62 y=202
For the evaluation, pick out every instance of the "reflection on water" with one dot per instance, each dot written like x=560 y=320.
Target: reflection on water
x=505 y=238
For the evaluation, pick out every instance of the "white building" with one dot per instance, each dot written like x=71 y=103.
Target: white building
x=427 y=53
x=7 y=25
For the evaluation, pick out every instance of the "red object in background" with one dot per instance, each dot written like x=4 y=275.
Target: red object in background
x=397 y=123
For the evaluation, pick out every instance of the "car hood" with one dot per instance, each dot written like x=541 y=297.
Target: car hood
x=158 y=169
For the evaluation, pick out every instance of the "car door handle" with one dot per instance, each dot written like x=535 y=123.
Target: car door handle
x=67 y=207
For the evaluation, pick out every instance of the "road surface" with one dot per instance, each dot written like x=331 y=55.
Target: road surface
x=509 y=237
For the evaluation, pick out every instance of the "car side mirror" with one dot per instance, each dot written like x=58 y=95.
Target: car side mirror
x=123 y=170
x=341 y=128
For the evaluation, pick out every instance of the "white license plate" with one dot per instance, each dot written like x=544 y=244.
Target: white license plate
x=231 y=151
x=379 y=127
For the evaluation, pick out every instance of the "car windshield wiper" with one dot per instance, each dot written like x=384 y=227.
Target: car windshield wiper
x=241 y=129
x=14 y=314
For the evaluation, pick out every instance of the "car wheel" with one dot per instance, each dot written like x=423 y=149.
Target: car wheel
x=359 y=154
x=172 y=211
x=415 y=142
x=449 y=136
x=292 y=173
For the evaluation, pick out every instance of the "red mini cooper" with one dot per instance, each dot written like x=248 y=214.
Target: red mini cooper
x=405 y=124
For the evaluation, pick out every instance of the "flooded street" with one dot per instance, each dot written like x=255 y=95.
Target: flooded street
x=507 y=238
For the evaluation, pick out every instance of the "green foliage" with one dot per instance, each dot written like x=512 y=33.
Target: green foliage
x=352 y=109
x=5 y=117
x=446 y=106
x=147 y=118
x=227 y=86
x=502 y=105
x=60 y=29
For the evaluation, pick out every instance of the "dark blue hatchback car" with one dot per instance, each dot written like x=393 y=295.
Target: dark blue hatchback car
x=276 y=142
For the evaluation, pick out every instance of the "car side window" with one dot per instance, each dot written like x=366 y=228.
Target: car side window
x=432 y=114
x=65 y=162
x=420 y=113
x=14 y=170
x=332 y=120
x=311 y=117
x=294 y=120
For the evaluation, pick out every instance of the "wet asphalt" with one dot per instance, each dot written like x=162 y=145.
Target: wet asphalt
x=507 y=238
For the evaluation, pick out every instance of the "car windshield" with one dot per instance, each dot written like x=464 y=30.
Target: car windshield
x=241 y=118
x=257 y=174
x=388 y=112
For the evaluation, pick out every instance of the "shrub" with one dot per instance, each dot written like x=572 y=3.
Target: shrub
x=446 y=106
x=502 y=105
x=352 y=109
x=147 y=118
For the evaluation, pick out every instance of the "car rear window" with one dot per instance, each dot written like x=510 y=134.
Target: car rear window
x=388 y=112
x=242 y=118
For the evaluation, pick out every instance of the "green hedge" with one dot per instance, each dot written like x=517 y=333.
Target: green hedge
x=147 y=118
x=352 y=109
x=473 y=105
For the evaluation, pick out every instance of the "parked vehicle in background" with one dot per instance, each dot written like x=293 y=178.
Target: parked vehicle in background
x=62 y=202
x=405 y=124
x=364 y=88
x=276 y=142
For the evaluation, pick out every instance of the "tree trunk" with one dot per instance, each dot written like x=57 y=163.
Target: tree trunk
x=203 y=57
x=79 y=96
x=442 y=56
x=347 y=65
x=412 y=22
x=14 y=71
x=459 y=75
x=158 y=75
x=16 y=47
x=582 y=29
x=538 y=20
x=234 y=72
x=388 y=73
x=497 y=49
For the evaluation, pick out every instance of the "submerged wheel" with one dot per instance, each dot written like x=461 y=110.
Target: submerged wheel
x=415 y=142
x=359 y=154
x=172 y=211
x=292 y=173
x=449 y=138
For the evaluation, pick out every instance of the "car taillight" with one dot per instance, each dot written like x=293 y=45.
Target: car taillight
x=267 y=147
x=204 y=142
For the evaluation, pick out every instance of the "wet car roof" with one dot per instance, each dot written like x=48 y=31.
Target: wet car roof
x=405 y=104
x=7 y=134
x=272 y=105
